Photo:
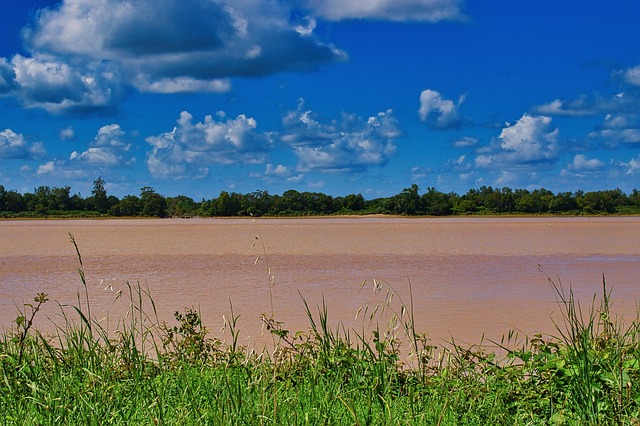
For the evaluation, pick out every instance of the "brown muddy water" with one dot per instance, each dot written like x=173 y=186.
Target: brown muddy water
x=470 y=276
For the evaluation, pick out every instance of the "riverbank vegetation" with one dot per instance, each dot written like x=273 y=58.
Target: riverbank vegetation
x=47 y=201
x=149 y=373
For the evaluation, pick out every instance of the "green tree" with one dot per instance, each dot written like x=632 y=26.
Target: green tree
x=130 y=205
x=153 y=204
x=60 y=198
x=407 y=202
x=353 y=202
x=42 y=199
x=634 y=198
x=318 y=203
x=181 y=206
x=227 y=204
x=257 y=203
x=14 y=201
x=292 y=203
x=602 y=201
x=563 y=202
x=3 y=198
x=100 y=199
x=436 y=203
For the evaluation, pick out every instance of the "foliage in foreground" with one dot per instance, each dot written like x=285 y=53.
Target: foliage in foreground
x=155 y=373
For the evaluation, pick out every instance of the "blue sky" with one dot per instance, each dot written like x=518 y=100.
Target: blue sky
x=336 y=96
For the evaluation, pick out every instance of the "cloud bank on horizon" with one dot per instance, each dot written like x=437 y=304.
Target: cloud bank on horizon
x=341 y=96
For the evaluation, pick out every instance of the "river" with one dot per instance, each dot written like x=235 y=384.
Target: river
x=469 y=276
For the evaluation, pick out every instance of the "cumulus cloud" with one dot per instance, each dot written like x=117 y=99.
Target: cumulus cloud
x=632 y=75
x=46 y=168
x=68 y=133
x=184 y=85
x=621 y=124
x=529 y=140
x=616 y=135
x=616 y=129
x=633 y=166
x=108 y=149
x=507 y=177
x=582 y=167
x=527 y=137
x=439 y=112
x=588 y=106
x=190 y=148
x=107 y=152
x=347 y=144
x=465 y=142
x=388 y=10
x=14 y=146
x=419 y=173
x=581 y=163
x=577 y=108
x=278 y=173
x=60 y=169
x=86 y=54
x=7 y=77
x=56 y=86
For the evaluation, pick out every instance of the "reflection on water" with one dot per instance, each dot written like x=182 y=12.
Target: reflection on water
x=470 y=276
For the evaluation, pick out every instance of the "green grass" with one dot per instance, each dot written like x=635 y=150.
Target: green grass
x=151 y=373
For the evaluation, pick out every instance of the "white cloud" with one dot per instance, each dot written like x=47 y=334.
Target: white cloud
x=621 y=122
x=279 y=173
x=620 y=103
x=529 y=140
x=388 y=10
x=616 y=135
x=279 y=170
x=98 y=157
x=56 y=86
x=306 y=26
x=68 y=133
x=618 y=128
x=582 y=167
x=419 y=173
x=633 y=166
x=465 y=142
x=60 y=170
x=108 y=149
x=202 y=40
x=189 y=148
x=632 y=75
x=46 y=168
x=86 y=54
x=14 y=146
x=581 y=163
x=577 y=108
x=7 y=76
x=506 y=178
x=110 y=135
x=348 y=144
x=464 y=177
x=484 y=161
x=184 y=85
x=439 y=112
x=105 y=154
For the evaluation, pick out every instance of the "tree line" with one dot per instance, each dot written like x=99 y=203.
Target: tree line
x=47 y=201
